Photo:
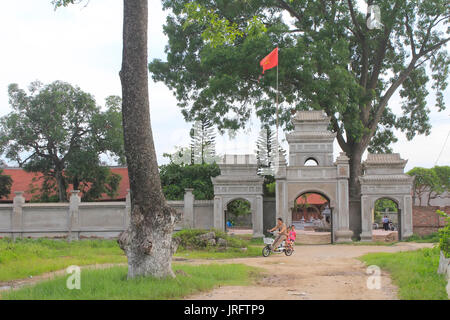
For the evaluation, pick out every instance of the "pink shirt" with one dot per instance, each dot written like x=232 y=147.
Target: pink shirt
x=292 y=235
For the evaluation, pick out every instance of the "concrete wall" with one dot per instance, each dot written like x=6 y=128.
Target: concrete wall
x=80 y=220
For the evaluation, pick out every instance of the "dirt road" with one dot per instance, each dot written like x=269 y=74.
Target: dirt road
x=312 y=272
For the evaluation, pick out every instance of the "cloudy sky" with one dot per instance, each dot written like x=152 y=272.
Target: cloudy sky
x=82 y=45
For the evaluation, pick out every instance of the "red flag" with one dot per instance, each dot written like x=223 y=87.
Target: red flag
x=270 y=61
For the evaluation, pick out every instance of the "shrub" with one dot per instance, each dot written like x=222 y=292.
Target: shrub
x=189 y=239
x=429 y=238
x=444 y=234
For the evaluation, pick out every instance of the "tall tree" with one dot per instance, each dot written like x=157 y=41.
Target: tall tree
x=265 y=151
x=425 y=181
x=331 y=57
x=5 y=184
x=148 y=240
x=54 y=127
x=203 y=146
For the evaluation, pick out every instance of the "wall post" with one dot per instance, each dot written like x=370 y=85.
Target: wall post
x=127 y=213
x=17 y=219
x=188 y=209
x=73 y=224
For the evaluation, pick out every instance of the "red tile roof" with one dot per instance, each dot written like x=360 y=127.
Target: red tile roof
x=24 y=181
x=312 y=198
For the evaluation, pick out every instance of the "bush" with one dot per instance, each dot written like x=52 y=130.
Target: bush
x=444 y=234
x=189 y=239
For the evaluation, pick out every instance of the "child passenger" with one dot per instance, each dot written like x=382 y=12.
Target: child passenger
x=291 y=236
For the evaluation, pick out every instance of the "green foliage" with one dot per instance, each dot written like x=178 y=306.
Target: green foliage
x=382 y=204
x=188 y=239
x=112 y=284
x=238 y=207
x=203 y=146
x=58 y=129
x=47 y=192
x=414 y=272
x=177 y=177
x=265 y=151
x=30 y=257
x=5 y=184
x=432 y=181
x=329 y=59
x=444 y=234
x=430 y=238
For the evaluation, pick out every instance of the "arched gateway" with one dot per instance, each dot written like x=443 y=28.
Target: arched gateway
x=238 y=180
x=311 y=140
x=311 y=170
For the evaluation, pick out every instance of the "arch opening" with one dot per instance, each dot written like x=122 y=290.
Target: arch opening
x=312 y=218
x=238 y=217
x=386 y=220
x=311 y=162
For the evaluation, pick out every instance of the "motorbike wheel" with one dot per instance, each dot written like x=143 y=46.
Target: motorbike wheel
x=288 y=252
x=266 y=251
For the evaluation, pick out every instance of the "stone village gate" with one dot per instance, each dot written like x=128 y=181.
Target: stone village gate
x=311 y=140
x=239 y=180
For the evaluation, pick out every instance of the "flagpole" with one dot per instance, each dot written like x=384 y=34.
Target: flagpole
x=277 y=109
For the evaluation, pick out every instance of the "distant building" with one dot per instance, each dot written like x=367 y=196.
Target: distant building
x=26 y=181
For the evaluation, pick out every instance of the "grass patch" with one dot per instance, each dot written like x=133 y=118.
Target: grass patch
x=230 y=253
x=414 y=272
x=430 y=238
x=112 y=284
x=31 y=257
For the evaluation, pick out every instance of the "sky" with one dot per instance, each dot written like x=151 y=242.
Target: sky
x=82 y=45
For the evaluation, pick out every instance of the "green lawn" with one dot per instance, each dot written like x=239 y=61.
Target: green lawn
x=111 y=283
x=230 y=253
x=414 y=272
x=31 y=257
x=27 y=257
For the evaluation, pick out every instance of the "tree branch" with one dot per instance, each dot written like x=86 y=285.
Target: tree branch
x=292 y=12
x=354 y=20
x=339 y=136
x=411 y=36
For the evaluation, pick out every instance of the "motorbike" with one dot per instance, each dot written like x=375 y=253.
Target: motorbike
x=282 y=248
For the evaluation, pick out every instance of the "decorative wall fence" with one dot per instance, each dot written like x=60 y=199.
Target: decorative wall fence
x=78 y=220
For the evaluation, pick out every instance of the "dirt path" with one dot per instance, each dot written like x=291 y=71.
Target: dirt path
x=312 y=272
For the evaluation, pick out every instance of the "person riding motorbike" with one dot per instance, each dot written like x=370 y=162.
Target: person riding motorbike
x=282 y=233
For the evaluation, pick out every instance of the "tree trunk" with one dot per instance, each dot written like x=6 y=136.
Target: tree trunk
x=148 y=241
x=355 y=191
x=62 y=192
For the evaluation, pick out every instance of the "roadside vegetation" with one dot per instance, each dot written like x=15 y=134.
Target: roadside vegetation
x=112 y=283
x=414 y=272
x=30 y=257
x=215 y=244
x=429 y=238
x=26 y=258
